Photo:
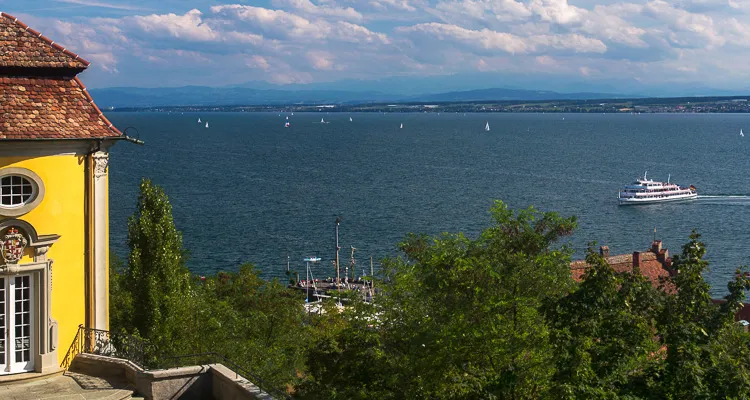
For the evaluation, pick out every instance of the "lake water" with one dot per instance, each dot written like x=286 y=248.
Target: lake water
x=249 y=190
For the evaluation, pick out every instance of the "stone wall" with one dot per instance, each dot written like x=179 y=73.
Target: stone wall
x=198 y=382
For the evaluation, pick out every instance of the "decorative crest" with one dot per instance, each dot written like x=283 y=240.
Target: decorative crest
x=13 y=245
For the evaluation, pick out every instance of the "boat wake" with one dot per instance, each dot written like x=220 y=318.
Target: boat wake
x=726 y=199
x=724 y=196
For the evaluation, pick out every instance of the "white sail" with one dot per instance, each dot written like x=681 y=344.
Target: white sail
x=487 y=126
x=287 y=118
x=402 y=126
x=292 y=114
x=206 y=124
x=322 y=121
x=199 y=120
x=286 y=125
x=350 y=119
x=741 y=134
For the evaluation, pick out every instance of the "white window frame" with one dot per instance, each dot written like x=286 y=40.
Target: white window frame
x=37 y=192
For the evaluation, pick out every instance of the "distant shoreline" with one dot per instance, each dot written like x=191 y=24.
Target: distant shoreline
x=684 y=105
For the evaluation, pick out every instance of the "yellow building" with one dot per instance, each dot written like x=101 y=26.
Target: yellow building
x=54 y=239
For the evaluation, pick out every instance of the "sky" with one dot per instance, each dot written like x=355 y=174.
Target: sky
x=539 y=44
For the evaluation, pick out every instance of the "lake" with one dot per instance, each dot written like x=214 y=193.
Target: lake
x=249 y=190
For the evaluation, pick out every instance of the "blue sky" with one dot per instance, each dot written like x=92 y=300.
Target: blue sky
x=619 y=45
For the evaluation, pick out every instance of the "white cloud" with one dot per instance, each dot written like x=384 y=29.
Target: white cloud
x=189 y=26
x=557 y=11
x=306 y=7
x=298 y=41
x=486 y=39
x=685 y=29
x=258 y=62
x=94 y=3
x=320 y=60
x=280 y=24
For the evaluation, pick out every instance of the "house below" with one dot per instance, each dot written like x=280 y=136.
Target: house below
x=653 y=263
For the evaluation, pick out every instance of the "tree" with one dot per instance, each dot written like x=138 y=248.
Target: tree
x=459 y=318
x=257 y=323
x=154 y=289
x=603 y=334
x=701 y=337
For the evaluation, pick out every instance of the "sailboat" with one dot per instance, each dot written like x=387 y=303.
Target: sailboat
x=322 y=121
x=292 y=114
x=206 y=124
x=350 y=119
x=741 y=134
x=199 y=120
x=287 y=118
x=487 y=126
x=401 y=127
x=286 y=125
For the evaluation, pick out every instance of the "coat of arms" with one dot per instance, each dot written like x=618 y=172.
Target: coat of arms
x=12 y=245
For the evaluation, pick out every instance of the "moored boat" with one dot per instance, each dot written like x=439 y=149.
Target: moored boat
x=648 y=191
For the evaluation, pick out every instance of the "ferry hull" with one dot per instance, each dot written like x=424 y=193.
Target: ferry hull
x=633 y=201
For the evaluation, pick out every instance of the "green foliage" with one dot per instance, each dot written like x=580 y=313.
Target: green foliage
x=604 y=334
x=460 y=318
x=261 y=323
x=496 y=317
x=699 y=335
x=257 y=324
x=149 y=296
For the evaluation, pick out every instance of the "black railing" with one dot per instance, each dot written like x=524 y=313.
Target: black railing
x=140 y=352
x=106 y=343
x=216 y=358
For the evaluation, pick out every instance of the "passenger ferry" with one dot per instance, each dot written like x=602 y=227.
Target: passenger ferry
x=648 y=191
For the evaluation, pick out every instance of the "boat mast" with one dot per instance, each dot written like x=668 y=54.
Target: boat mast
x=307 y=280
x=338 y=278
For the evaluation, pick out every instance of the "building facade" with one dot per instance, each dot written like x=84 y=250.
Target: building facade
x=54 y=239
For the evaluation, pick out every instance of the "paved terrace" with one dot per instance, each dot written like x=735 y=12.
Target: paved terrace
x=70 y=386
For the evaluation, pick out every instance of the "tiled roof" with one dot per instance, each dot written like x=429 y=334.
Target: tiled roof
x=50 y=108
x=40 y=97
x=650 y=267
x=21 y=46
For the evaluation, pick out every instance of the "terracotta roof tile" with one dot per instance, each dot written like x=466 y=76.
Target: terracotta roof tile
x=21 y=46
x=651 y=268
x=50 y=108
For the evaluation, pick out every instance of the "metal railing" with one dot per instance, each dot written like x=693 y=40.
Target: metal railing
x=140 y=352
x=106 y=343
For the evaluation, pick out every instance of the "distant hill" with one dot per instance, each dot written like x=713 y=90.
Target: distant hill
x=208 y=96
x=235 y=95
x=499 y=94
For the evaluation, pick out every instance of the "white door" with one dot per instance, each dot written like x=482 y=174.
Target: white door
x=16 y=340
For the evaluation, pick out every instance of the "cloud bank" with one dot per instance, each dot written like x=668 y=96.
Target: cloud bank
x=653 y=42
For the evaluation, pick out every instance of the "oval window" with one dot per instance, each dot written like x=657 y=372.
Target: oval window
x=20 y=191
x=16 y=191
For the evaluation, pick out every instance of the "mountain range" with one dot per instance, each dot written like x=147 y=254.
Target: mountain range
x=226 y=96
x=397 y=89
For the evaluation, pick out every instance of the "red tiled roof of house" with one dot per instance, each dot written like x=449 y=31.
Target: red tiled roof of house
x=21 y=46
x=40 y=97
x=651 y=266
x=50 y=108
